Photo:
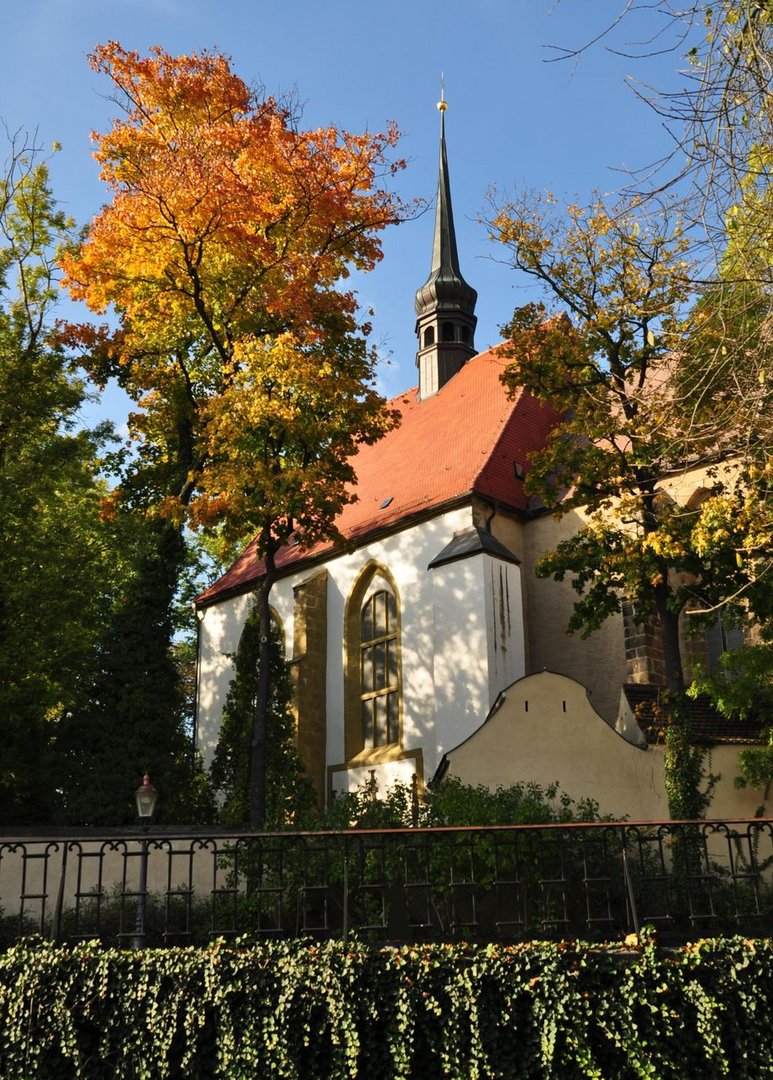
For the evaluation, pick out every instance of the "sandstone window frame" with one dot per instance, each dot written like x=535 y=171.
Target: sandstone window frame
x=363 y=746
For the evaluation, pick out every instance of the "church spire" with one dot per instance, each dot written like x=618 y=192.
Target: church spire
x=445 y=303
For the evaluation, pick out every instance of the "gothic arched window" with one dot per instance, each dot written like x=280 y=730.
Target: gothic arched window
x=373 y=680
x=379 y=678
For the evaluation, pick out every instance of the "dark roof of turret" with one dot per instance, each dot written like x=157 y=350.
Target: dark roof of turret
x=445 y=288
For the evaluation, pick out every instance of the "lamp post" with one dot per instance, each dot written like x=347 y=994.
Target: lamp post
x=145 y=797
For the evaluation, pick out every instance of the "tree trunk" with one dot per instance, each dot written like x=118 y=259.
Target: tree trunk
x=262 y=695
x=672 y=651
x=683 y=762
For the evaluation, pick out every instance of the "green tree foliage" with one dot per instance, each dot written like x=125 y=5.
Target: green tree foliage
x=90 y=692
x=290 y=797
x=133 y=718
x=665 y=363
x=744 y=685
x=716 y=109
x=722 y=121
x=755 y=765
x=54 y=545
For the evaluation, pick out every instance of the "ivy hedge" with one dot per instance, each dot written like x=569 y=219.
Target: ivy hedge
x=306 y=1011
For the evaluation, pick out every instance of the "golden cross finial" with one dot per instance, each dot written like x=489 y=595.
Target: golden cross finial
x=442 y=104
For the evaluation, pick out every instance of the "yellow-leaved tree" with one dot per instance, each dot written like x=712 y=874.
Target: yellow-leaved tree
x=617 y=348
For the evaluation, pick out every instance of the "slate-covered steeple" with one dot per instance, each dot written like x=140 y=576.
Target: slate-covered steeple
x=445 y=303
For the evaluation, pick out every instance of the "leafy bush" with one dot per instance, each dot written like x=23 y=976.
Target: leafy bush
x=457 y=804
x=298 y=1010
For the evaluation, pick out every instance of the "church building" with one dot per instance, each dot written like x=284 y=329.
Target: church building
x=403 y=644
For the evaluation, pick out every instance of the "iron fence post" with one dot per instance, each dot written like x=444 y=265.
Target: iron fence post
x=345 y=927
x=56 y=922
x=138 y=940
x=629 y=886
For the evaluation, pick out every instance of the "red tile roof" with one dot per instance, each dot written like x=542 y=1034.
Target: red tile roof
x=468 y=439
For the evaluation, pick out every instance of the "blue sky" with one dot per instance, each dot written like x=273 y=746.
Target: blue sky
x=514 y=120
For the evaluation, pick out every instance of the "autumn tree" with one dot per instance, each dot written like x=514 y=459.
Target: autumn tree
x=222 y=251
x=601 y=349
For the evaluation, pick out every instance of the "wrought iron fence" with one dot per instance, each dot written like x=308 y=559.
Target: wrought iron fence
x=506 y=883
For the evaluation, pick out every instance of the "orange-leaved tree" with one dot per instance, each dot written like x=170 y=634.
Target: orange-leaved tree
x=222 y=251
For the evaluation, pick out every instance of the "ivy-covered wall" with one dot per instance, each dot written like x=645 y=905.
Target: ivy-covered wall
x=306 y=1011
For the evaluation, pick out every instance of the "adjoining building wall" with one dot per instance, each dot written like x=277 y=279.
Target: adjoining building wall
x=597 y=661
x=546 y=731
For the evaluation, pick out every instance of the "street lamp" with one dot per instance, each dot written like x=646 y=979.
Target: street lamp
x=145 y=797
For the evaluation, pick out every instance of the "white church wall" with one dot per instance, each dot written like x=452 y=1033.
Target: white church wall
x=406 y=556
x=432 y=687
x=505 y=621
x=460 y=667
x=220 y=629
x=386 y=775
x=478 y=643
